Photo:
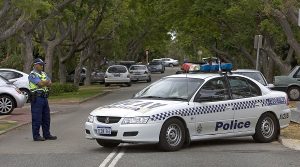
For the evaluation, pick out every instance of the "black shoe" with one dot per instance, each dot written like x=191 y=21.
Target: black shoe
x=51 y=137
x=39 y=139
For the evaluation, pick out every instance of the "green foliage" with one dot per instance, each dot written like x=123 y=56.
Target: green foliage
x=57 y=89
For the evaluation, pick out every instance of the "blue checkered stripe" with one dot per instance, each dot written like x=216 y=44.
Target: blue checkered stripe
x=190 y=111
x=247 y=104
x=242 y=105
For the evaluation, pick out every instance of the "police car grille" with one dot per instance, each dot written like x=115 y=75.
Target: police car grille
x=108 y=120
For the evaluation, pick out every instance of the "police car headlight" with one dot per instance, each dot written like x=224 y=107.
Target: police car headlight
x=135 y=120
x=90 y=119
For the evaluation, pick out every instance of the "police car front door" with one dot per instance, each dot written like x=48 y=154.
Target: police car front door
x=214 y=113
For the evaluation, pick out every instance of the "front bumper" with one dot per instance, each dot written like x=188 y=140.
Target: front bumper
x=146 y=133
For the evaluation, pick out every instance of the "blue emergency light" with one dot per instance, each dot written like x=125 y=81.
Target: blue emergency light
x=216 y=67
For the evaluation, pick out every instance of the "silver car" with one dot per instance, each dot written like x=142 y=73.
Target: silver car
x=139 y=73
x=10 y=97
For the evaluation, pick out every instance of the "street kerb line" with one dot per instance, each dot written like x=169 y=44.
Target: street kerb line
x=112 y=156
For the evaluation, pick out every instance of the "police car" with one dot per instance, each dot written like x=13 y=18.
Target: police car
x=181 y=108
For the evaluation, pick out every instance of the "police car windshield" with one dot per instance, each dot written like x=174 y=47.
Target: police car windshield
x=171 y=89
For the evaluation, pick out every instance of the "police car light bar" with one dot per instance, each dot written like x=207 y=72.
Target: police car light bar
x=216 y=67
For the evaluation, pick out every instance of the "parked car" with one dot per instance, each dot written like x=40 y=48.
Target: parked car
x=289 y=83
x=128 y=64
x=117 y=74
x=254 y=74
x=18 y=78
x=139 y=73
x=156 y=66
x=96 y=76
x=170 y=62
x=10 y=97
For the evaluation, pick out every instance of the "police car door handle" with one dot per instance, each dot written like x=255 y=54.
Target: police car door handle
x=257 y=105
x=228 y=108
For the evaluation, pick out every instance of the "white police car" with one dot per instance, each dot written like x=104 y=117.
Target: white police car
x=190 y=107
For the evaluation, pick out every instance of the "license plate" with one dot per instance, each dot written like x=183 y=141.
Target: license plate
x=103 y=130
x=117 y=75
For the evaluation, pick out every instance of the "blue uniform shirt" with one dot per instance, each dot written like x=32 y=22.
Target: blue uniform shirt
x=34 y=78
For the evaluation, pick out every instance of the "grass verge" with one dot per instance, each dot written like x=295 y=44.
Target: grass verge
x=7 y=124
x=292 y=131
x=83 y=93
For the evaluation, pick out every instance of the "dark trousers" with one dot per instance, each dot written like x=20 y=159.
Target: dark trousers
x=40 y=117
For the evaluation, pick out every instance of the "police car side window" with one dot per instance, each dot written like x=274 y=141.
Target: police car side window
x=213 y=90
x=243 y=88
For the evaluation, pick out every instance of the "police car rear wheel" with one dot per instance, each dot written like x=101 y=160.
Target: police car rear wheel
x=109 y=144
x=266 y=129
x=27 y=93
x=172 y=135
x=7 y=105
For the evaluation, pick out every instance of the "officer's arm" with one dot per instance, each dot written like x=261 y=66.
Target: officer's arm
x=44 y=83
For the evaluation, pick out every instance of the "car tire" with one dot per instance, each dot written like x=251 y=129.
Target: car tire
x=294 y=93
x=109 y=144
x=128 y=84
x=171 y=65
x=267 y=129
x=172 y=135
x=149 y=79
x=27 y=93
x=7 y=104
x=106 y=84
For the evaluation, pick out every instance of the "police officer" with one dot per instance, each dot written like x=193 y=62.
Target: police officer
x=39 y=83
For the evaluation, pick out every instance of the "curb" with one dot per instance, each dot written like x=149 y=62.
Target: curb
x=290 y=143
x=97 y=95
x=84 y=100
x=21 y=124
x=14 y=127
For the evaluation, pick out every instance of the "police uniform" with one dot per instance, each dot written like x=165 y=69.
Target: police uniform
x=39 y=104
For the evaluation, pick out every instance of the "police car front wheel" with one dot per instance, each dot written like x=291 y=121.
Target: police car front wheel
x=266 y=128
x=172 y=135
x=109 y=144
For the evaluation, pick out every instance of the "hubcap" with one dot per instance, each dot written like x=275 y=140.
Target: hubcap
x=294 y=94
x=5 y=105
x=267 y=127
x=173 y=135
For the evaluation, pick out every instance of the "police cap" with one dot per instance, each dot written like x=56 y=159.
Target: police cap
x=38 y=61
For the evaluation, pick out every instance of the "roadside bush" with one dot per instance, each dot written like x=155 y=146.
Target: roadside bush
x=57 y=89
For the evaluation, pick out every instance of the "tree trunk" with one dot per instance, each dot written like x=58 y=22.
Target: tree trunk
x=282 y=66
x=62 y=72
x=88 y=73
x=286 y=27
x=49 y=49
x=28 y=53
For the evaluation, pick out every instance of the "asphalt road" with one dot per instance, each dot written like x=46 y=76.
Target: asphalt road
x=72 y=149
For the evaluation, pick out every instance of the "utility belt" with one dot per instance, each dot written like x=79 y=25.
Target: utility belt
x=40 y=94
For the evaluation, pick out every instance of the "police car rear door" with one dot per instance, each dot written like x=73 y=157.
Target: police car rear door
x=214 y=113
x=247 y=103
